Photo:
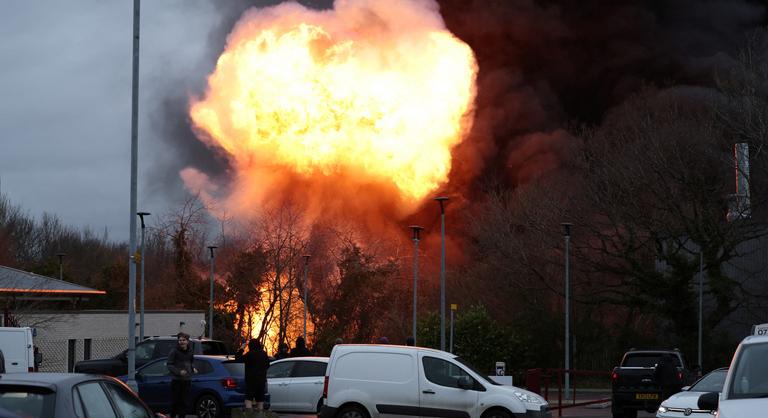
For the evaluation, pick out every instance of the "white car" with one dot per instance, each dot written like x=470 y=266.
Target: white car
x=685 y=403
x=390 y=381
x=296 y=384
x=745 y=391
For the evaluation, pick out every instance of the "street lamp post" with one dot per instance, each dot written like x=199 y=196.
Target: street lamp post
x=306 y=282
x=442 y=200
x=567 y=235
x=210 y=302
x=141 y=286
x=131 y=354
x=701 y=306
x=61 y=265
x=416 y=230
x=453 y=309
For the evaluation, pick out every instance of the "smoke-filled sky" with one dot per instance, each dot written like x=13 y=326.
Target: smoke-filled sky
x=66 y=72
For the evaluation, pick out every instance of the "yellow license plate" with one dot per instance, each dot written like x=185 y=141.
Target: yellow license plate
x=646 y=396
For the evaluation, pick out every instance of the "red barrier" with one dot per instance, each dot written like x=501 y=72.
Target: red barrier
x=538 y=379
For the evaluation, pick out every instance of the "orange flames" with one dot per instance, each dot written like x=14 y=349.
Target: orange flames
x=373 y=92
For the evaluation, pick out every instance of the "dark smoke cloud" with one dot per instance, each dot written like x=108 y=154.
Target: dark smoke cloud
x=547 y=64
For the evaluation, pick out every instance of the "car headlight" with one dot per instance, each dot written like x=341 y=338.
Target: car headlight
x=528 y=398
x=662 y=409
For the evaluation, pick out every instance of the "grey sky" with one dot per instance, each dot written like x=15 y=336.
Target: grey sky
x=65 y=94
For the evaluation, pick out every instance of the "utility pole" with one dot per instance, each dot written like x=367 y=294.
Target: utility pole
x=416 y=230
x=131 y=354
x=210 y=302
x=306 y=283
x=442 y=200
x=567 y=235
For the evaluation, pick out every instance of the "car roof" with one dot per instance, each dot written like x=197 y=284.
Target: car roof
x=391 y=348
x=755 y=339
x=50 y=380
x=306 y=358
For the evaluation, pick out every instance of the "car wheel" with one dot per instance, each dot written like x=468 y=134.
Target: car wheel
x=207 y=406
x=352 y=412
x=496 y=413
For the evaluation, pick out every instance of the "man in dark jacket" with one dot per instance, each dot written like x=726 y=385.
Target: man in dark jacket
x=180 y=363
x=665 y=375
x=300 y=349
x=283 y=351
x=256 y=365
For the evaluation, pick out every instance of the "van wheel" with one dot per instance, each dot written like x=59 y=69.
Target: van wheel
x=353 y=412
x=497 y=413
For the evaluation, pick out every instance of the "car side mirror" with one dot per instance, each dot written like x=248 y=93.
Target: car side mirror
x=685 y=388
x=709 y=401
x=464 y=382
x=139 y=377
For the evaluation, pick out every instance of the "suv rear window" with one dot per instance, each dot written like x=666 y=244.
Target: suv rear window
x=28 y=401
x=235 y=368
x=645 y=360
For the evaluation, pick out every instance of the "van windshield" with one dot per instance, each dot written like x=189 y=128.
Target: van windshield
x=750 y=373
x=477 y=372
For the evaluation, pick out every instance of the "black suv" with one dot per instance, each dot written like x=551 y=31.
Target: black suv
x=146 y=351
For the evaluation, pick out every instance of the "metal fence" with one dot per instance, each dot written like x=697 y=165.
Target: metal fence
x=60 y=355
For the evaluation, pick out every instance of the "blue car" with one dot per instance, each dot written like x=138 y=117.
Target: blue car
x=217 y=387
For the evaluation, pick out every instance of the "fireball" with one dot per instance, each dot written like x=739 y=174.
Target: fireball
x=370 y=92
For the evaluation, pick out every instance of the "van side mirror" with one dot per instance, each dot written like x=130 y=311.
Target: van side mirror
x=38 y=358
x=123 y=356
x=709 y=401
x=464 y=382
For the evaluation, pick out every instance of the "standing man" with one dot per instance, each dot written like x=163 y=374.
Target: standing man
x=256 y=365
x=665 y=375
x=300 y=349
x=180 y=364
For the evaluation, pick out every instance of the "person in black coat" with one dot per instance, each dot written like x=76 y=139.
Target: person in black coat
x=180 y=363
x=665 y=375
x=256 y=365
x=300 y=349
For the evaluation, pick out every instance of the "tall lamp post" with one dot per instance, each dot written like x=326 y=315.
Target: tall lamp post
x=567 y=236
x=701 y=306
x=442 y=200
x=210 y=303
x=141 y=286
x=306 y=282
x=61 y=265
x=416 y=230
x=134 y=181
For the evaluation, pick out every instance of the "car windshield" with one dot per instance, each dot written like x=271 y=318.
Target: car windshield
x=27 y=401
x=477 y=372
x=750 y=373
x=712 y=382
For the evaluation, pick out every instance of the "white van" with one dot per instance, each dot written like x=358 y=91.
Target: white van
x=745 y=391
x=388 y=381
x=18 y=349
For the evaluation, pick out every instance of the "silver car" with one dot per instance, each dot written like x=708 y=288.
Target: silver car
x=685 y=403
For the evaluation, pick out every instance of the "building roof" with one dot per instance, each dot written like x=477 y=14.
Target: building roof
x=18 y=282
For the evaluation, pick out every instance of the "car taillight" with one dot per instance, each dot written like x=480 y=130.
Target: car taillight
x=615 y=376
x=679 y=376
x=229 y=383
x=325 y=387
